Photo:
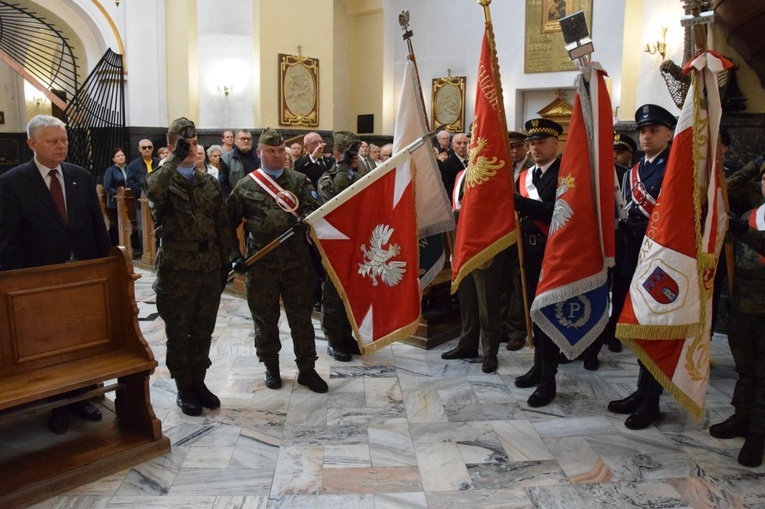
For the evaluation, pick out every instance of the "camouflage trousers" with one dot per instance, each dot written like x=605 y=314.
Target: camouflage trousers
x=480 y=308
x=264 y=287
x=746 y=337
x=188 y=303
x=334 y=319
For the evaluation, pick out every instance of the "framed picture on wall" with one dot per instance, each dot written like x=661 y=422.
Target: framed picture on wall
x=544 y=48
x=552 y=11
x=298 y=90
x=448 y=107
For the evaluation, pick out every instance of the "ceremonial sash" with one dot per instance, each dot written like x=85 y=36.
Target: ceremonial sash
x=757 y=221
x=640 y=196
x=286 y=200
x=529 y=190
x=456 y=201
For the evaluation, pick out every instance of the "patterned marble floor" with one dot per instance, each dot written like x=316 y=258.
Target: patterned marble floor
x=404 y=429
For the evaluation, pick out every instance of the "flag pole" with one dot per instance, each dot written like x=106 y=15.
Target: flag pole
x=503 y=119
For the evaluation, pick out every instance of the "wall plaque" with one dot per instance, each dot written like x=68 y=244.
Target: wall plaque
x=448 y=106
x=298 y=90
x=545 y=49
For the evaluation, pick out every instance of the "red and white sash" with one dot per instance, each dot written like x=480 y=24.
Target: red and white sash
x=286 y=200
x=640 y=196
x=757 y=221
x=529 y=190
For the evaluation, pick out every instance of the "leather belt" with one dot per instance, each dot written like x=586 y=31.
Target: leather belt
x=191 y=247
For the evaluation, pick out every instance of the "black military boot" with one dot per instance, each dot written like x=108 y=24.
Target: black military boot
x=205 y=396
x=188 y=401
x=631 y=402
x=545 y=392
x=533 y=376
x=732 y=427
x=272 y=376
x=648 y=410
x=311 y=379
x=750 y=454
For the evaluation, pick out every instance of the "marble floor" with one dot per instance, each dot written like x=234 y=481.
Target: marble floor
x=404 y=429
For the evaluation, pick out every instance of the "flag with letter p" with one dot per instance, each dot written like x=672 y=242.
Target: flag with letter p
x=571 y=305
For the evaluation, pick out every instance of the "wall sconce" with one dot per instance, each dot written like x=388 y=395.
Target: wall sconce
x=660 y=47
x=225 y=89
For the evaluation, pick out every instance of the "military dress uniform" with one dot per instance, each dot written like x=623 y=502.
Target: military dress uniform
x=334 y=319
x=535 y=212
x=195 y=239
x=746 y=334
x=646 y=178
x=283 y=273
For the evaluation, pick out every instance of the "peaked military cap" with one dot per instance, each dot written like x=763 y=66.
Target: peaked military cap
x=271 y=137
x=514 y=135
x=539 y=128
x=624 y=142
x=344 y=138
x=651 y=114
x=180 y=125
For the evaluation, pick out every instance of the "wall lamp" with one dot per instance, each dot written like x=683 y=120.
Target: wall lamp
x=660 y=47
x=225 y=89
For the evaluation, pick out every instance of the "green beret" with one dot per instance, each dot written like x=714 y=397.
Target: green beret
x=271 y=137
x=179 y=125
x=345 y=138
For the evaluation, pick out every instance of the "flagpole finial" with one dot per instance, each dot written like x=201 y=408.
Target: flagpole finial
x=403 y=20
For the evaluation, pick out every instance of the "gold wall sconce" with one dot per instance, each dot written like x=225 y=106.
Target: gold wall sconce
x=659 y=47
x=225 y=89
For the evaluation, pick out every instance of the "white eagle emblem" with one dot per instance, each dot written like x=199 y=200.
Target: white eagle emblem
x=562 y=213
x=376 y=258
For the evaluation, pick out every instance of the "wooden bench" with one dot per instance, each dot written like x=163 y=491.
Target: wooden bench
x=102 y=202
x=126 y=220
x=62 y=328
x=149 y=241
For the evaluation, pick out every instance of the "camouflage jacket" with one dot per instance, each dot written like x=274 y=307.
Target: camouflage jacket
x=190 y=219
x=749 y=288
x=744 y=190
x=266 y=221
x=336 y=180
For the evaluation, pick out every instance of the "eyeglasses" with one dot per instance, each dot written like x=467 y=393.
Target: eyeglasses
x=147 y=148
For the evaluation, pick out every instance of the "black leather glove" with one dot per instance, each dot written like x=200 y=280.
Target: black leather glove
x=298 y=226
x=736 y=225
x=520 y=202
x=181 y=149
x=239 y=266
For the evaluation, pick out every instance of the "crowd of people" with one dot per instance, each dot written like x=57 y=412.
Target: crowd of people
x=49 y=214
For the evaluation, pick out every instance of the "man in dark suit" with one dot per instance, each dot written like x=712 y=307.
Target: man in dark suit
x=49 y=213
x=313 y=163
x=136 y=171
x=534 y=202
x=455 y=163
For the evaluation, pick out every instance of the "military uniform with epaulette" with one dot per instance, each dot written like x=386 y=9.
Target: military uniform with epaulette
x=334 y=319
x=746 y=330
x=284 y=272
x=194 y=242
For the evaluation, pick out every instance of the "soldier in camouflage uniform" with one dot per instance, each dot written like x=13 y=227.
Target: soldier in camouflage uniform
x=190 y=220
x=746 y=333
x=334 y=320
x=284 y=272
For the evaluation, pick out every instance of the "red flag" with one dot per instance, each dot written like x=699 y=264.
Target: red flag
x=571 y=304
x=367 y=236
x=666 y=318
x=487 y=222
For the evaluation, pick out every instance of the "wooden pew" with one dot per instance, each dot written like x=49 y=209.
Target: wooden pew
x=147 y=234
x=126 y=221
x=102 y=202
x=62 y=328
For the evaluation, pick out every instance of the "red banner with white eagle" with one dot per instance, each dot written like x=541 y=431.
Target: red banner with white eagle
x=666 y=319
x=487 y=223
